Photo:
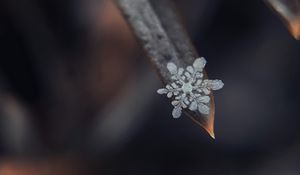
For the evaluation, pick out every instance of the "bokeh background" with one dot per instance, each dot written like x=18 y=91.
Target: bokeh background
x=78 y=95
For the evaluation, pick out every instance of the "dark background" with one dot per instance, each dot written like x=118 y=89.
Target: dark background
x=77 y=95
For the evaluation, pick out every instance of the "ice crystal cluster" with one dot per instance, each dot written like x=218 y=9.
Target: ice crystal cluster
x=189 y=89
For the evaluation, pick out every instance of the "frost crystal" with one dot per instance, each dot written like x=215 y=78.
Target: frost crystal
x=189 y=88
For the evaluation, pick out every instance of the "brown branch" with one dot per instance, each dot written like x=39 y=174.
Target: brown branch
x=164 y=39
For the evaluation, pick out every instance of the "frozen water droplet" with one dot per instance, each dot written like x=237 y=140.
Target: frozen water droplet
x=162 y=91
x=203 y=99
x=180 y=71
x=172 y=68
x=203 y=109
x=176 y=112
x=199 y=64
x=190 y=69
x=175 y=103
x=216 y=84
x=193 y=106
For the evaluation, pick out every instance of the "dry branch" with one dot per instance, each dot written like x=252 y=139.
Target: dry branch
x=157 y=27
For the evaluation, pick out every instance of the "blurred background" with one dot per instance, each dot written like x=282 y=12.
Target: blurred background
x=77 y=95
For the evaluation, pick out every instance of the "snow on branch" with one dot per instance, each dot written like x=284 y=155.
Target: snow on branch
x=164 y=39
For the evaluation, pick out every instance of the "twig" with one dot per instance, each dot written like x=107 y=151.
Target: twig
x=164 y=39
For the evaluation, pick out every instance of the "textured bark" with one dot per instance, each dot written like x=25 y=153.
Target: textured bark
x=164 y=39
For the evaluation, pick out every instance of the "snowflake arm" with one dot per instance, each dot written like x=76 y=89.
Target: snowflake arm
x=189 y=89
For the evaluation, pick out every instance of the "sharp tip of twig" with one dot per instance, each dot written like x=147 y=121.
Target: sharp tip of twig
x=208 y=125
x=211 y=132
x=212 y=135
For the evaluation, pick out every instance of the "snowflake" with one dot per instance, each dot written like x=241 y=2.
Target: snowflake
x=189 y=88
